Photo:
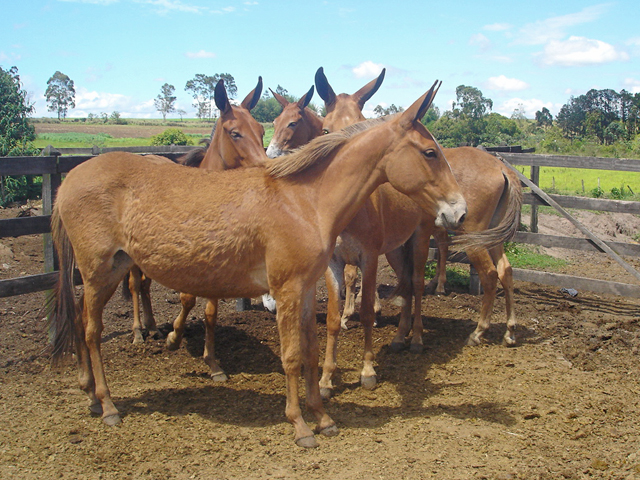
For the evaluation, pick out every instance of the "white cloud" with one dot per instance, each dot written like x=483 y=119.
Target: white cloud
x=553 y=28
x=367 y=69
x=632 y=85
x=200 y=54
x=497 y=27
x=163 y=7
x=530 y=106
x=505 y=84
x=93 y=2
x=479 y=40
x=580 y=51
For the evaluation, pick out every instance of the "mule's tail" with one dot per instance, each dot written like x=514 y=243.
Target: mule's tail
x=62 y=309
x=505 y=222
x=193 y=158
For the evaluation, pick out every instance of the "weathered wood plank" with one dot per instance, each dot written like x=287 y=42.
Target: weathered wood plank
x=27 y=165
x=597 y=163
x=583 y=203
x=578 y=283
x=572 y=243
x=16 y=227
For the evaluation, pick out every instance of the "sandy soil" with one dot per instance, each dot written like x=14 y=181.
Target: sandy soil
x=562 y=404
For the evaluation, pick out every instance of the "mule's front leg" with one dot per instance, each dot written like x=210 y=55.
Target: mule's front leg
x=211 y=316
x=135 y=282
x=350 y=279
x=290 y=320
x=175 y=338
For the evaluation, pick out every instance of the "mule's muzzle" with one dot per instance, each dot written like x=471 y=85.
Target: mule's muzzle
x=451 y=214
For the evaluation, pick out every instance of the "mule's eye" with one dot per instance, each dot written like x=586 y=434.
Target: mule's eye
x=234 y=134
x=292 y=124
x=430 y=153
x=325 y=131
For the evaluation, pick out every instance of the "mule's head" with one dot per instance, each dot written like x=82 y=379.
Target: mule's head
x=417 y=167
x=295 y=126
x=237 y=140
x=343 y=109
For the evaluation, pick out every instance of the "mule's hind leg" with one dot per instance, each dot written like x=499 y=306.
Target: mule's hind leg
x=350 y=279
x=369 y=267
x=98 y=289
x=211 y=316
x=439 y=281
x=333 y=279
x=135 y=281
x=505 y=274
x=488 y=274
x=85 y=372
x=145 y=298
x=174 y=338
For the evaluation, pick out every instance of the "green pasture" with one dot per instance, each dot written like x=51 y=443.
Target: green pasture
x=104 y=140
x=569 y=181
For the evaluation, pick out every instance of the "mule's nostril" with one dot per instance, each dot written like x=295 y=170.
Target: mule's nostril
x=464 y=215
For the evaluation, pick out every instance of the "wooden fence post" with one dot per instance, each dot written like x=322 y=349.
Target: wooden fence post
x=535 y=178
x=50 y=184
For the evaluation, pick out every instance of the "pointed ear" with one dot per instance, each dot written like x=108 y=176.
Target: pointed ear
x=220 y=97
x=419 y=108
x=251 y=100
x=281 y=100
x=304 y=101
x=324 y=89
x=366 y=92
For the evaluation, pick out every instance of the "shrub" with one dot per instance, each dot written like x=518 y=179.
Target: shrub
x=171 y=136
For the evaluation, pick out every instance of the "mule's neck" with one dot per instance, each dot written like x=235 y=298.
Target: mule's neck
x=213 y=160
x=314 y=123
x=350 y=178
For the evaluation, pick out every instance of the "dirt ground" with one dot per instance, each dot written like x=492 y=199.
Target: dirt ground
x=562 y=404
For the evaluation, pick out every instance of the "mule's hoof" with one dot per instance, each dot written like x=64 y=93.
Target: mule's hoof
x=473 y=341
x=307 y=442
x=416 y=348
x=368 y=383
x=156 y=335
x=138 y=337
x=330 y=431
x=95 y=409
x=326 y=393
x=396 y=347
x=509 y=341
x=112 y=420
x=219 y=377
x=171 y=343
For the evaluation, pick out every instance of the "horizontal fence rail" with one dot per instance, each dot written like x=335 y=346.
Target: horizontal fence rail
x=55 y=163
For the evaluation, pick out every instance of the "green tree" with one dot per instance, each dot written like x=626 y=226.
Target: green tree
x=202 y=89
x=165 y=101
x=60 y=94
x=544 y=118
x=380 y=111
x=470 y=103
x=16 y=133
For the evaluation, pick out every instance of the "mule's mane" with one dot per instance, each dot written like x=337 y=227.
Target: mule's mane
x=316 y=150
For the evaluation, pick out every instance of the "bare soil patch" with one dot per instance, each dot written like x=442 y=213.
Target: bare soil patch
x=562 y=404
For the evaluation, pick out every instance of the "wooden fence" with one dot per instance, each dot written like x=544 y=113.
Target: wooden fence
x=52 y=165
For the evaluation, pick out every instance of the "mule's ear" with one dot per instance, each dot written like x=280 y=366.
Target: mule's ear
x=419 y=108
x=324 y=89
x=281 y=100
x=304 y=101
x=366 y=92
x=251 y=100
x=220 y=97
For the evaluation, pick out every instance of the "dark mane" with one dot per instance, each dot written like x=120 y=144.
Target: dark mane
x=316 y=150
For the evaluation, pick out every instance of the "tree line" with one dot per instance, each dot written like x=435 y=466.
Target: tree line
x=600 y=122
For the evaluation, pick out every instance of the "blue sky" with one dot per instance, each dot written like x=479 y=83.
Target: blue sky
x=519 y=54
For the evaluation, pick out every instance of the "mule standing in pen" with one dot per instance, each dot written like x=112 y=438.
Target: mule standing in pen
x=236 y=141
x=388 y=220
x=241 y=232
x=494 y=199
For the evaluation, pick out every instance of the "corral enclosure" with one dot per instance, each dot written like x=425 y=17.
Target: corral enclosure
x=563 y=404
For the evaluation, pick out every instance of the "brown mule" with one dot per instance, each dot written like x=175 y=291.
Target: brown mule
x=236 y=141
x=236 y=233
